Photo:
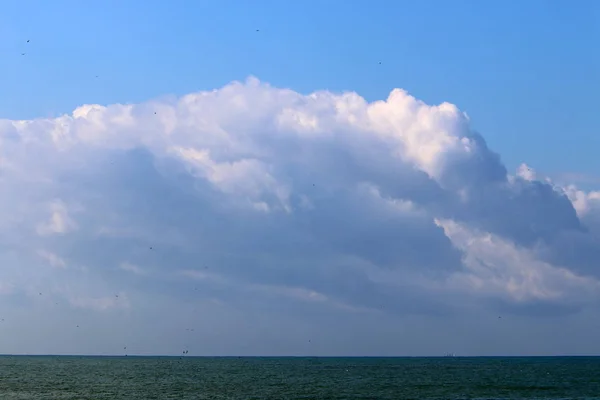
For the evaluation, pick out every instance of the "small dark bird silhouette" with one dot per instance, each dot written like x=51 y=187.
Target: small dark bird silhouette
x=150 y=247
x=22 y=54
x=258 y=30
x=40 y=293
x=154 y=112
x=27 y=40
x=379 y=62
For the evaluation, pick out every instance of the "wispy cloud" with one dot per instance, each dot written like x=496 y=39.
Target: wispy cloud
x=59 y=222
x=132 y=268
x=52 y=259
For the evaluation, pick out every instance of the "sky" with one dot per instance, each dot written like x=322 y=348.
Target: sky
x=299 y=178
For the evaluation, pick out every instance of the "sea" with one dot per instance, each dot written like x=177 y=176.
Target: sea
x=132 y=378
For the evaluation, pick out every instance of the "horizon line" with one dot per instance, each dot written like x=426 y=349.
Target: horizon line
x=288 y=356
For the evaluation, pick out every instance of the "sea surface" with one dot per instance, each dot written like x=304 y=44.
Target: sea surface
x=132 y=378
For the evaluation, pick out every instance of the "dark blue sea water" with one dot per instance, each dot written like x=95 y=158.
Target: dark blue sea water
x=50 y=377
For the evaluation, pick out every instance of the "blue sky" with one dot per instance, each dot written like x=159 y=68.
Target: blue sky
x=151 y=188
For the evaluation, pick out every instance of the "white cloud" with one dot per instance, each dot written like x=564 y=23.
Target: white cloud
x=268 y=199
x=59 y=223
x=494 y=266
x=135 y=269
x=52 y=259
x=585 y=203
x=249 y=178
x=525 y=172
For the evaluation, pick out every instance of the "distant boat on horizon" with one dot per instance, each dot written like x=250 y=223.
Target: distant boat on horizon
x=449 y=355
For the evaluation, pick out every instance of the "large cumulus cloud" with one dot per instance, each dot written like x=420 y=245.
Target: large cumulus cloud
x=251 y=195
